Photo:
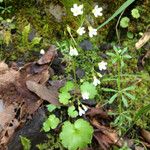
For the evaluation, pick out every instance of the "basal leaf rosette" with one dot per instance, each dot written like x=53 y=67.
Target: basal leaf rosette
x=77 y=135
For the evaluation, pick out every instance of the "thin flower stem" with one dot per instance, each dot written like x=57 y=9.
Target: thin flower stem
x=74 y=71
x=72 y=38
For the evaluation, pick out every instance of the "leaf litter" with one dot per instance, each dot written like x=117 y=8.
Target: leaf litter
x=23 y=90
x=18 y=100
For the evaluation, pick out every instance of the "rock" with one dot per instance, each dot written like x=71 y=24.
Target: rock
x=80 y=73
x=32 y=35
x=86 y=45
x=31 y=131
x=105 y=46
x=57 y=11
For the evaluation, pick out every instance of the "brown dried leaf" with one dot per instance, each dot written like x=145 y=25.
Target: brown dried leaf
x=103 y=140
x=48 y=56
x=146 y=135
x=3 y=66
x=8 y=77
x=8 y=132
x=50 y=95
x=6 y=116
x=97 y=112
x=144 y=39
x=41 y=78
x=57 y=84
x=35 y=68
x=105 y=135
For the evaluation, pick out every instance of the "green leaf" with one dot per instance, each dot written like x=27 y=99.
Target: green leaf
x=127 y=56
x=72 y=112
x=68 y=87
x=122 y=63
x=118 y=11
x=89 y=88
x=109 y=90
x=51 y=123
x=76 y=136
x=124 y=23
x=1 y=18
x=130 y=88
x=111 y=100
x=51 y=107
x=111 y=54
x=125 y=102
x=135 y=13
x=114 y=60
x=130 y=35
x=132 y=97
x=142 y=112
x=26 y=143
x=7 y=37
x=35 y=41
x=124 y=51
x=115 y=49
x=64 y=98
x=1 y=1
x=25 y=34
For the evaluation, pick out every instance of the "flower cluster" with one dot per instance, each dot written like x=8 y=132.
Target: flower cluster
x=78 y=10
x=102 y=66
x=97 y=11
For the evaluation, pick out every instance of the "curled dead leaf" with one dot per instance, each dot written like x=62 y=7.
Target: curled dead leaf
x=48 y=56
x=144 y=39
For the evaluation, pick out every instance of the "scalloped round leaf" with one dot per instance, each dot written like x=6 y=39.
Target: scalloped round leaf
x=72 y=112
x=89 y=88
x=135 y=13
x=124 y=23
x=64 y=98
x=81 y=133
x=51 y=123
x=51 y=107
x=68 y=87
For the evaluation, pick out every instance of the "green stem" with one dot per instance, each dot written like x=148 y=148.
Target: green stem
x=73 y=38
x=119 y=86
x=74 y=71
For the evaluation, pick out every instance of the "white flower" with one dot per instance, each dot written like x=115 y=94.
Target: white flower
x=84 y=107
x=81 y=30
x=102 y=65
x=97 y=11
x=77 y=10
x=42 y=52
x=73 y=51
x=92 y=31
x=95 y=81
x=81 y=111
x=85 y=95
